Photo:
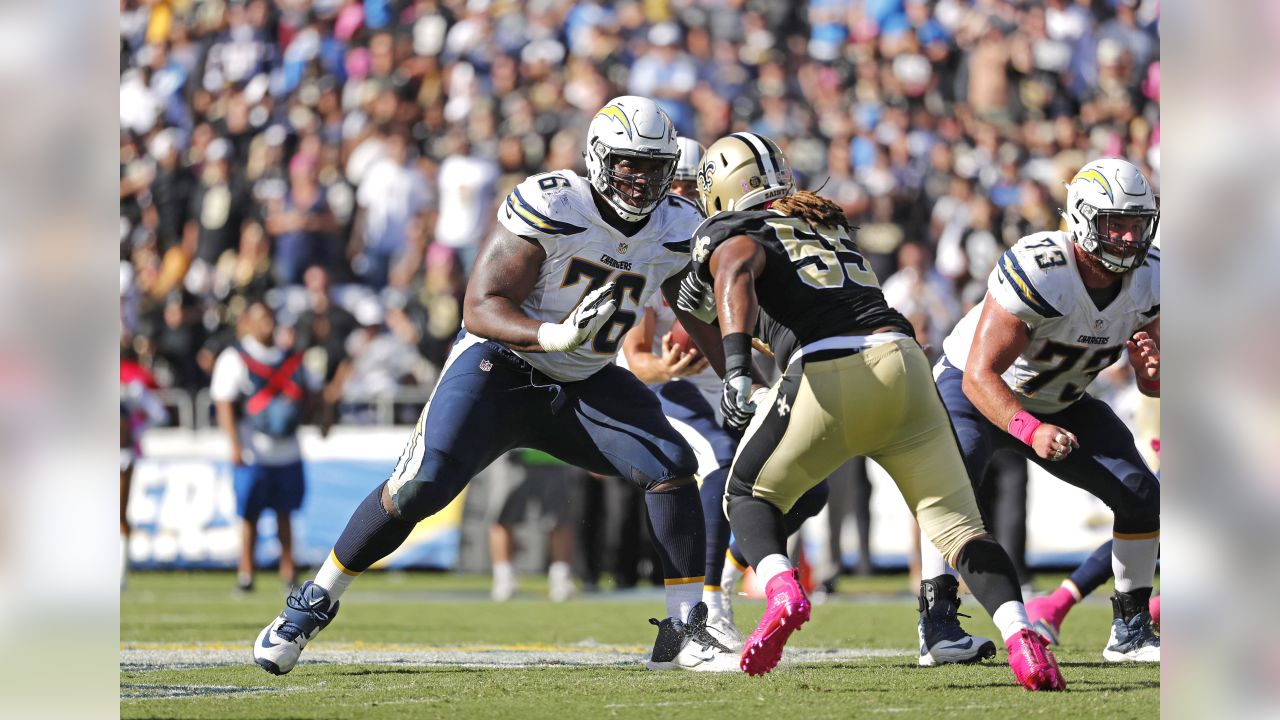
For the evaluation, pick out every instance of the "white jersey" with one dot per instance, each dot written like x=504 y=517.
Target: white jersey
x=585 y=252
x=1071 y=339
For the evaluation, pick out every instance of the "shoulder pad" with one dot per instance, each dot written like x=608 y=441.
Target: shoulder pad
x=681 y=218
x=542 y=207
x=1146 y=285
x=715 y=230
x=1031 y=278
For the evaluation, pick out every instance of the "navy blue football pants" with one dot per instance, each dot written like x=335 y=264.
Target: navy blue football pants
x=489 y=401
x=1107 y=463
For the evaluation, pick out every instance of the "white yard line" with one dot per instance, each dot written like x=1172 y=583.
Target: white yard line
x=173 y=656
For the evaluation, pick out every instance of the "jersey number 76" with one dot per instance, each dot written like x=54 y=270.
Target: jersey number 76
x=625 y=284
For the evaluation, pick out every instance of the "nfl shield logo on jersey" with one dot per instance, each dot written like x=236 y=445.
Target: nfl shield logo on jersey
x=622 y=248
x=485 y=365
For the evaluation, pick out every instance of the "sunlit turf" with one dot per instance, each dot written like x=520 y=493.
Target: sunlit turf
x=439 y=610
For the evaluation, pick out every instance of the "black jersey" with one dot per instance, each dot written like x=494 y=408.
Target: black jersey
x=815 y=282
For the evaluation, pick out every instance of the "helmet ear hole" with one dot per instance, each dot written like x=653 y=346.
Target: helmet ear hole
x=718 y=208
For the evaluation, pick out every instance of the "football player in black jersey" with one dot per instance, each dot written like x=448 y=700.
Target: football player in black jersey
x=855 y=383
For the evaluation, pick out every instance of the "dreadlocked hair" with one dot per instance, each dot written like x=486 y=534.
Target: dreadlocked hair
x=813 y=208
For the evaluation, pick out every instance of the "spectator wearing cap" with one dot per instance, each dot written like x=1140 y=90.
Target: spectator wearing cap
x=383 y=352
x=171 y=189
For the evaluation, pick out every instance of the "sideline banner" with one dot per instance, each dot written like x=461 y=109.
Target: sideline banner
x=182 y=506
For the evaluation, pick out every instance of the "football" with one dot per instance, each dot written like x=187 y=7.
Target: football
x=681 y=341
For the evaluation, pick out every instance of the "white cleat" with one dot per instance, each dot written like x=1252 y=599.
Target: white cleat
x=722 y=628
x=307 y=611
x=689 y=646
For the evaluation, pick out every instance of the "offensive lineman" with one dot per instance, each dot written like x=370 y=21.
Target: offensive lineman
x=558 y=286
x=1060 y=308
x=856 y=383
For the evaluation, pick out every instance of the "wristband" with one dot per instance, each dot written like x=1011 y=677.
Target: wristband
x=1023 y=426
x=1149 y=385
x=737 y=354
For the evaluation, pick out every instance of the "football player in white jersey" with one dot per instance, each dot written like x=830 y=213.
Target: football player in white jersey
x=1060 y=307
x=563 y=278
x=690 y=395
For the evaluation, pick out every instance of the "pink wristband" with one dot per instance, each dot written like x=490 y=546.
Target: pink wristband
x=1023 y=426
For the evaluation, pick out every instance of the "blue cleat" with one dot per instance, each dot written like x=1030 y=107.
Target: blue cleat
x=1132 y=637
x=307 y=611
x=942 y=640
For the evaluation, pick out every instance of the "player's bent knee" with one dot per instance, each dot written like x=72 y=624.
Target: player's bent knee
x=1141 y=511
x=672 y=484
x=675 y=469
x=437 y=482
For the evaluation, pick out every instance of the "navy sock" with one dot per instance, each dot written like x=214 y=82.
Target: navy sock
x=678 y=531
x=738 y=555
x=1094 y=571
x=758 y=528
x=712 y=493
x=986 y=567
x=371 y=534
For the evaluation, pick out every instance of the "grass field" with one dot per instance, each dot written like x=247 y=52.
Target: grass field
x=428 y=646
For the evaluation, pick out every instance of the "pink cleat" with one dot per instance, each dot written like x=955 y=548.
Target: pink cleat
x=1047 y=613
x=787 y=610
x=1033 y=663
x=1154 y=609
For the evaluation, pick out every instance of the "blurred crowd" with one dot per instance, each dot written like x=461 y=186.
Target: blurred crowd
x=343 y=159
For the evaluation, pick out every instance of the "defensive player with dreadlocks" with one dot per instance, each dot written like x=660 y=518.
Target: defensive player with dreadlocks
x=855 y=383
x=690 y=395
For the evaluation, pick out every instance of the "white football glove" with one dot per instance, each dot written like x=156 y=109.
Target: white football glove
x=582 y=323
x=697 y=298
x=737 y=403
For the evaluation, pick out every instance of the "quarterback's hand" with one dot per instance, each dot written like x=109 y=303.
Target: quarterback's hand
x=582 y=323
x=677 y=363
x=736 y=401
x=1053 y=442
x=1144 y=356
x=697 y=298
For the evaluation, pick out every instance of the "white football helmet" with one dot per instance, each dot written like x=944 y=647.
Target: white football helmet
x=1103 y=192
x=690 y=158
x=636 y=130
